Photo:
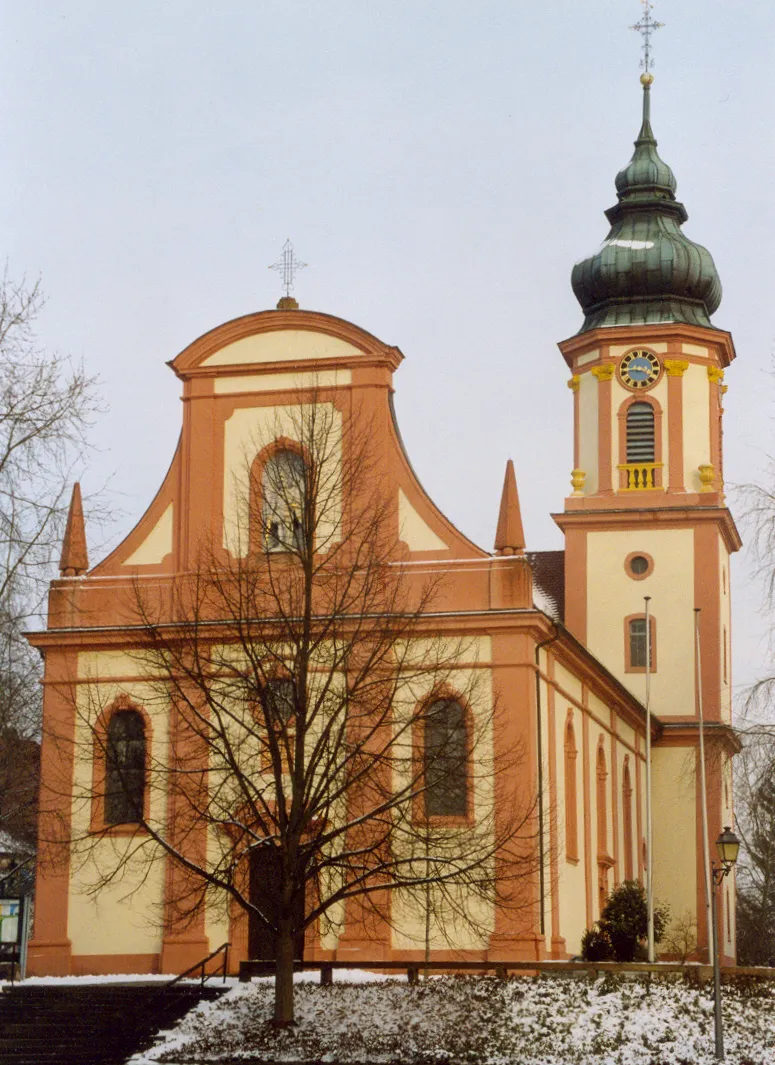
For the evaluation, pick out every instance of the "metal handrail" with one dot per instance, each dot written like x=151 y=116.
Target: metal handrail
x=224 y=948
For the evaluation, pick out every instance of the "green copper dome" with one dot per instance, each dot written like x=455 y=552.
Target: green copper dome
x=647 y=271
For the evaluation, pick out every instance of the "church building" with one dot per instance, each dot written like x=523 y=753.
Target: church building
x=570 y=644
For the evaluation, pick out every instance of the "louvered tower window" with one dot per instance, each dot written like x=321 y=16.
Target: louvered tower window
x=640 y=433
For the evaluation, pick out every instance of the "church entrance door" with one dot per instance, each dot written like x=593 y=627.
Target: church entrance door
x=265 y=871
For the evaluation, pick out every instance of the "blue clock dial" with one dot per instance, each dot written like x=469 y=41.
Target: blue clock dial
x=639 y=369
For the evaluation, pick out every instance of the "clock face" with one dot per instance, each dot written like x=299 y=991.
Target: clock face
x=639 y=369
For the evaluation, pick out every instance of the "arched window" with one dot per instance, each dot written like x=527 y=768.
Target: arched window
x=445 y=751
x=571 y=792
x=283 y=492
x=637 y=648
x=278 y=702
x=627 y=810
x=641 y=445
x=125 y=768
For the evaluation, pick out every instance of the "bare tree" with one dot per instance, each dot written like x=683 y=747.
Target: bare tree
x=327 y=729
x=46 y=406
x=755 y=873
x=758 y=501
x=755 y=766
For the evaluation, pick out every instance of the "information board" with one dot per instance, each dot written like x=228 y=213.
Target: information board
x=10 y=911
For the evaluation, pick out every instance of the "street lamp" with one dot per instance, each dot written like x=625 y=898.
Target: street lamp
x=727 y=846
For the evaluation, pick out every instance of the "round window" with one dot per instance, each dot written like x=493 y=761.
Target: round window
x=638 y=565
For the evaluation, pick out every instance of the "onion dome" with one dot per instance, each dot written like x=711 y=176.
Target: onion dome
x=647 y=270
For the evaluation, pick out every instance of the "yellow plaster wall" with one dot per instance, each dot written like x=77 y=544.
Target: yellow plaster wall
x=282 y=382
x=696 y=423
x=567 y=681
x=217 y=902
x=614 y=596
x=617 y=350
x=449 y=930
x=599 y=709
x=157 y=544
x=675 y=824
x=246 y=433
x=626 y=735
x=695 y=349
x=588 y=453
x=591 y=356
x=282 y=345
x=413 y=530
x=124 y=915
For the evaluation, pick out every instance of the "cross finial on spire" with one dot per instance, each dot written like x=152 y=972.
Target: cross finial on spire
x=288 y=265
x=646 y=27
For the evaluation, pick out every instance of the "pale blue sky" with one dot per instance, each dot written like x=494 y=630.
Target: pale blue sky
x=440 y=166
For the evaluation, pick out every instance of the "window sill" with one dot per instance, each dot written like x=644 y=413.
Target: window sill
x=446 y=820
x=118 y=830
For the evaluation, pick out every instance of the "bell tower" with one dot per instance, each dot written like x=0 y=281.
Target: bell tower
x=647 y=516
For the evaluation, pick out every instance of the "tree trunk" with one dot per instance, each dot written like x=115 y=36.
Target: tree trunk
x=283 y=984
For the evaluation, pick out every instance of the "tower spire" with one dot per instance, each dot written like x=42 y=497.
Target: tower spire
x=75 y=558
x=647 y=272
x=509 y=537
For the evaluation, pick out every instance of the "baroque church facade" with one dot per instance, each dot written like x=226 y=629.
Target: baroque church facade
x=563 y=638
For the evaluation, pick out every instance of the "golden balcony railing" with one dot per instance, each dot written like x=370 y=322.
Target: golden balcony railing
x=640 y=476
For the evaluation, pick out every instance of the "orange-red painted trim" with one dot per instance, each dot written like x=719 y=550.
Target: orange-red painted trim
x=627 y=812
x=604 y=444
x=571 y=791
x=587 y=807
x=718 y=341
x=675 y=434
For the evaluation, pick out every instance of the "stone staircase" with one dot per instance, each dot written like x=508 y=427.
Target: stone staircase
x=89 y=1024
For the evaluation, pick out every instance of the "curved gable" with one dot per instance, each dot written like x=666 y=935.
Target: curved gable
x=281 y=337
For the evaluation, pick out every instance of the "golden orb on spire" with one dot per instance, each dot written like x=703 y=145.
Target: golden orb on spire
x=646 y=79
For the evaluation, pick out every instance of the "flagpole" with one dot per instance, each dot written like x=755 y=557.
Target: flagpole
x=649 y=832
x=703 y=784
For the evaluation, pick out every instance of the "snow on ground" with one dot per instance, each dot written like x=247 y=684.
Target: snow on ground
x=545 y=1021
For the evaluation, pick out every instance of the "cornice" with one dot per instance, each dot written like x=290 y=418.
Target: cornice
x=677 y=516
x=677 y=732
x=719 y=339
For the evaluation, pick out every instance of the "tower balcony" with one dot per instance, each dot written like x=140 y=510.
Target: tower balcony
x=640 y=476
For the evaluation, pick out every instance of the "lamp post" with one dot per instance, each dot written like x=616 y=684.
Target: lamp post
x=727 y=846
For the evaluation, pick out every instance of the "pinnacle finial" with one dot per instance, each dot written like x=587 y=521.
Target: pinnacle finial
x=509 y=537
x=75 y=558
